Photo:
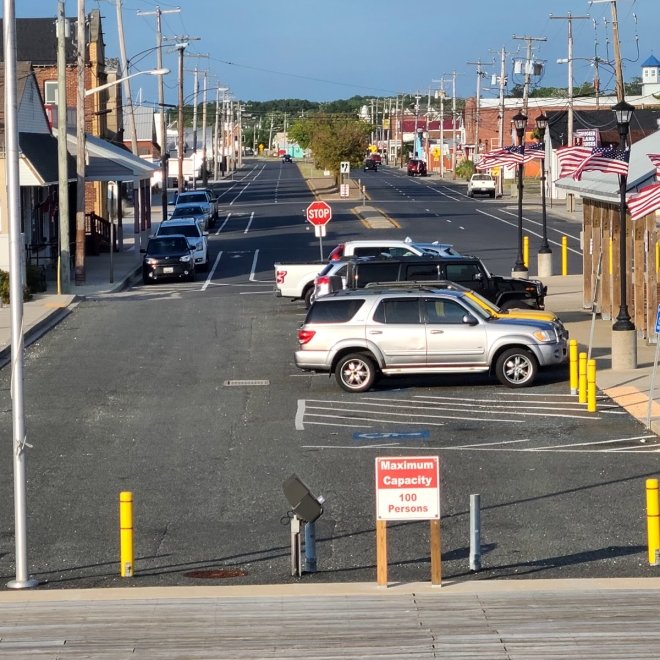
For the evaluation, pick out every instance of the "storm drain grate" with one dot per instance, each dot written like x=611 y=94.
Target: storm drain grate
x=216 y=573
x=239 y=383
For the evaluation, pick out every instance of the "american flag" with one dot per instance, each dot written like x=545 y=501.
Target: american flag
x=507 y=157
x=569 y=158
x=604 y=159
x=534 y=151
x=645 y=201
x=655 y=159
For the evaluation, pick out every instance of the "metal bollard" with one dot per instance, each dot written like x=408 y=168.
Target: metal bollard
x=653 y=521
x=475 y=532
x=582 y=378
x=564 y=255
x=126 y=533
x=573 y=365
x=526 y=251
x=591 y=385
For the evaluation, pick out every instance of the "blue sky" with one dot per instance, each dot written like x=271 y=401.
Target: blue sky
x=329 y=49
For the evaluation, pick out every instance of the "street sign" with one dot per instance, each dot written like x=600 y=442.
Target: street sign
x=319 y=231
x=408 y=488
x=345 y=167
x=344 y=190
x=319 y=213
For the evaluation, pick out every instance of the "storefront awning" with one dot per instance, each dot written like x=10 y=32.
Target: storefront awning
x=37 y=163
x=107 y=162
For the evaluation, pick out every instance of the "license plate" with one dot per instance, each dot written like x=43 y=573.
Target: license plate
x=168 y=269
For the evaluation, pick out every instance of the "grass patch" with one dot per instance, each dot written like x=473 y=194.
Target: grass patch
x=308 y=170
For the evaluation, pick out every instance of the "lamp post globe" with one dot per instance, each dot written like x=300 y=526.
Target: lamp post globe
x=520 y=122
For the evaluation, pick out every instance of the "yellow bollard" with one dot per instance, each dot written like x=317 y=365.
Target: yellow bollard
x=126 y=533
x=564 y=255
x=526 y=251
x=653 y=521
x=591 y=386
x=582 y=378
x=573 y=365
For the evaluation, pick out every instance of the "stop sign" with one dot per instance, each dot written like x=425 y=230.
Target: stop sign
x=319 y=213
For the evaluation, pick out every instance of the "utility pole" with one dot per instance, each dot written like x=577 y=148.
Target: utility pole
x=596 y=63
x=453 y=122
x=216 y=143
x=181 y=47
x=417 y=97
x=164 y=155
x=528 y=68
x=270 y=135
x=205 y=178
x=618 y=67
x=137 y=190
x=480 y=75
x=500 y=123
x=569 y=18
x=64 y=256
x=13 y=192
x=80 y=152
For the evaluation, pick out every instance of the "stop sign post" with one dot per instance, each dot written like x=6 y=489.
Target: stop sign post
x=319 y=213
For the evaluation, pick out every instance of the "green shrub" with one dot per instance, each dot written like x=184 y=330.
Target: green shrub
x=4 y=288
x=465 y=169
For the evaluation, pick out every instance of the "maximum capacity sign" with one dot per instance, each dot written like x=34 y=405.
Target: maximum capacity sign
x=408 y=488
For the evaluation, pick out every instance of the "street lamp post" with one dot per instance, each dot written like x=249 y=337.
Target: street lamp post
x=545 y=253
x=520 y=123
x=624 y=344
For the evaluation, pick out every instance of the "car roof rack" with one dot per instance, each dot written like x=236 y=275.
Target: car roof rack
x=425 y=285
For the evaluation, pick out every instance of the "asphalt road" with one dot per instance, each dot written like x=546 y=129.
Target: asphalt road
x=187 y=395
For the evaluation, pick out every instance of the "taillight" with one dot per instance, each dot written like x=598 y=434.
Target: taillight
x=279 y=276
x=320 y=280
x=305 y=335
x=337 y=253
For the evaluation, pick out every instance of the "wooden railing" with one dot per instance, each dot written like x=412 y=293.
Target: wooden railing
x=97 y=234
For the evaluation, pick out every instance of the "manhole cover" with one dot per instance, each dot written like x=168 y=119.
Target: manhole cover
x=239 y=383
x=216 y=573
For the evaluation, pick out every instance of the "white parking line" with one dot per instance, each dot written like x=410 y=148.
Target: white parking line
x=222 y=226
x=254 y=265
x=210 y=275
x=300 y=413
x=247 y=229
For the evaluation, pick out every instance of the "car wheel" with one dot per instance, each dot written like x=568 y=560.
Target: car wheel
x=355 y=372
x=516 y=367
x=307 y=297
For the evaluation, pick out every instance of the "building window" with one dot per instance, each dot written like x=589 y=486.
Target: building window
x=50 y=91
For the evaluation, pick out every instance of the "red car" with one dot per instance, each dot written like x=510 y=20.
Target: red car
x=416 y=167
x=376 y=157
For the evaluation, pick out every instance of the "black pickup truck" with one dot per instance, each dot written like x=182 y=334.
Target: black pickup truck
x=470 y=272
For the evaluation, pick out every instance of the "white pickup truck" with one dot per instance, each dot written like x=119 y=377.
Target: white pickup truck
x=482 y=184
x=296 y=281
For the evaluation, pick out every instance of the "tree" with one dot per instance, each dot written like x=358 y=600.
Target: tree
x=332 y=140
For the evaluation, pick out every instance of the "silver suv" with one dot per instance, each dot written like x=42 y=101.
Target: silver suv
x=361 y=334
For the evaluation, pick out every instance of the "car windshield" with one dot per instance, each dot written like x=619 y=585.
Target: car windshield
x=189 y=231
x=164 y=246
x=187 y=211
x=476 y=308
x=186 y=198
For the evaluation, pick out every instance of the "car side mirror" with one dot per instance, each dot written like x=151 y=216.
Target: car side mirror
x=468 y=319
x=477 y=277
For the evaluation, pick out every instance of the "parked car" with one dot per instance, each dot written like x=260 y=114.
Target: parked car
x=200 y=196
x=416 y=167
x=200 y=212
x=363 y=334
x=167 y=257
x=471 y=272
x=370 y=164
x=287 y=158
x=481 y=184
x=197 y=239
